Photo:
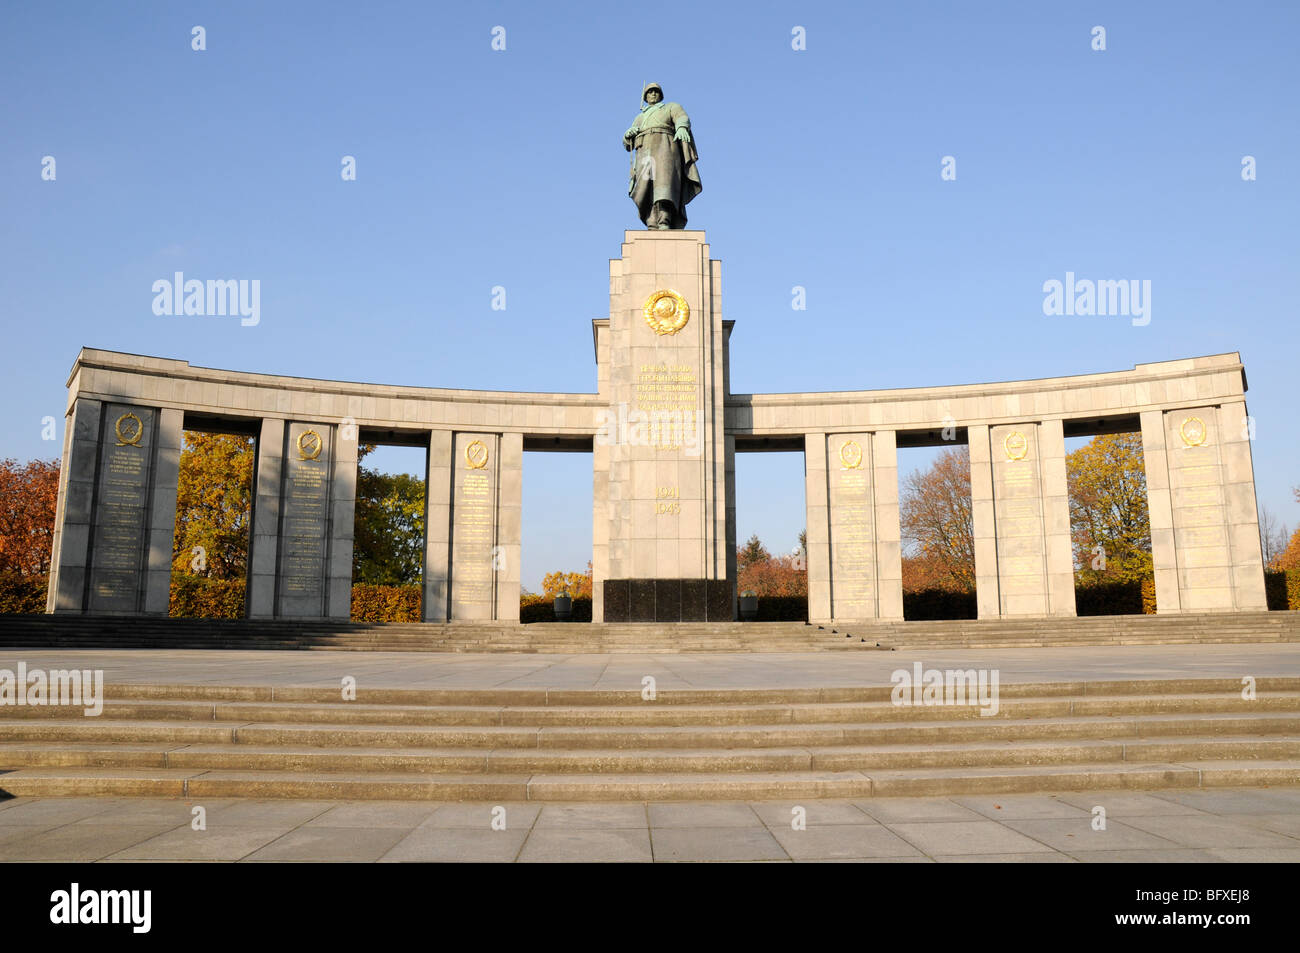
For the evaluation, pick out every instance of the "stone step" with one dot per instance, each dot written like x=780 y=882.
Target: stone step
x=538 y=697
x=237 y=757
x=195 y=784
x=632 y=738
x=641 y=638
x=608 y=744
x=650 y=714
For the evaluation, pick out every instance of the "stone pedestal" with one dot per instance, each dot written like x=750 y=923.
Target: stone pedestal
x=661 y=444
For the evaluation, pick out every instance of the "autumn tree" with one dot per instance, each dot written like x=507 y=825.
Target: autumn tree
x=766 y=575
x=388 y=541
x=1289 y=558
x=937 y=524
x=1108 y=508
x=751 y=553
x=214 y=505
x=1273 y=535
x=922 y=571
x=28 y=499
x=576 y=584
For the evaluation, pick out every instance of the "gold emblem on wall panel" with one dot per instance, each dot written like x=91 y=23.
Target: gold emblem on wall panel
x=476 y=455
x=1017 y=445
x=309 y=445
x=1193 y=432
x=850 y=455
x=666 y=312
x=128 y=436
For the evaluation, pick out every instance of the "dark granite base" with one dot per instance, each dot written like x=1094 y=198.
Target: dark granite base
x=643 y=601
x=693 y=605
x=668 y=600
x=717 y=601
x=618 y=598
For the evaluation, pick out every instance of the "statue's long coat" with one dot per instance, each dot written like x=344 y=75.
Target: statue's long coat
x=663 y=168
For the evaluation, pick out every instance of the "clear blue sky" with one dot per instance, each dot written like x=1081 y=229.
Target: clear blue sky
x=821 y=168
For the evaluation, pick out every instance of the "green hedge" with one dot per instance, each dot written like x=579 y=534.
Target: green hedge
x=1122 y=597
x=931 y=604
x=1282 y=587
x=386 y=603
x=25 y=594
x=197 y=597
x=543 y=610
x=782 y=609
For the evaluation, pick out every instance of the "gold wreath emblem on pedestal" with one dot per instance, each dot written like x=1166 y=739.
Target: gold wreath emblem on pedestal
x=309 y=445
x=476 y=455
x=1017 y=445
x=131 y=436
x=666 y=312
x=851 y=455
x=1193 y=432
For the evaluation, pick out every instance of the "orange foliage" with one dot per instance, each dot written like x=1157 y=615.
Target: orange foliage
x=929 y=571
x=774 y=576
x=937 y=521
x=576 y=584
x=1290 y=557
x=28 y=498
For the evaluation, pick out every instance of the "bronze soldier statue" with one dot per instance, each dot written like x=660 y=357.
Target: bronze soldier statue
x=664 y=177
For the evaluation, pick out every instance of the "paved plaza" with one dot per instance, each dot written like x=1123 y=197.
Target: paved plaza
x=671 y=671
x=1235 y=825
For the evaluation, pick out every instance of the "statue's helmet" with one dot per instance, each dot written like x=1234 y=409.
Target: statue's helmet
x=649 y=86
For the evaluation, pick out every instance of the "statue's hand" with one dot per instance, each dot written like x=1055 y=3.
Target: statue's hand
x=631 y=133
x=683 y=134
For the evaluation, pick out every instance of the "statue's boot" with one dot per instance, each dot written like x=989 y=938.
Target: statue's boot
x=661 y=215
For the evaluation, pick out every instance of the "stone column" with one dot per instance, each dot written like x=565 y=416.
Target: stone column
x=487 y=475
x=1155 y=459
x=122 y=518
x=264 y=540
x=69 y=558
x=342 y=527
x=509 y=527
x=889 y=546
x=600 y=518
x=818 y=527
x=1242 y=509
x=1031 y=534
x=437 y=534
x=1058 y=546
x=606 y=435
x=850 y=489
x=1215 y=529
x=162 y=522
x=729 y=566
x=984 y=524
x=855 y=569
x=304 y=572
